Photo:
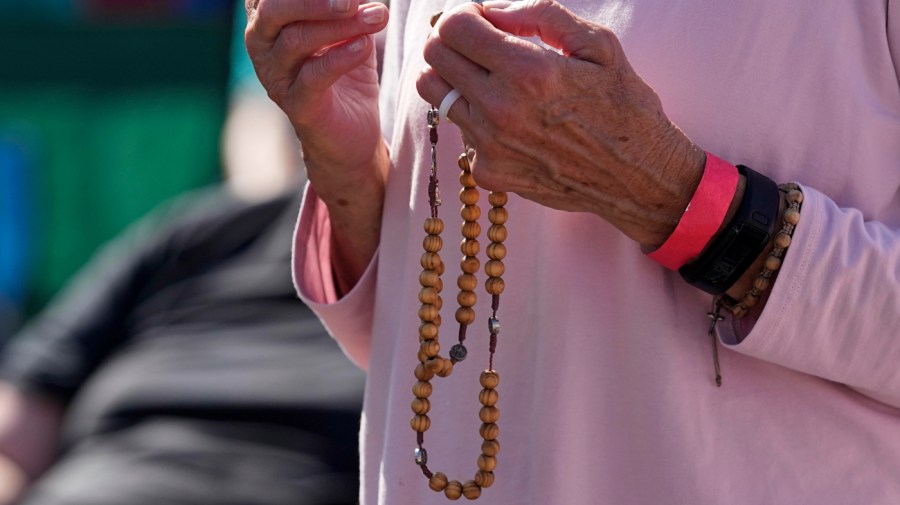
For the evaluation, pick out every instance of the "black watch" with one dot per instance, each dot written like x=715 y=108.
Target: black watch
x=746 y=236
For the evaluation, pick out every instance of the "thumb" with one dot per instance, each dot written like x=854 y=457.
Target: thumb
x=556 y=26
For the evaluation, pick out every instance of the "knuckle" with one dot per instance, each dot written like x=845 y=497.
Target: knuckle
x=457 y=25
x=432 y=50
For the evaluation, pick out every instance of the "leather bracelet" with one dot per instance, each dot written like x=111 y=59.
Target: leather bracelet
x=746 y=236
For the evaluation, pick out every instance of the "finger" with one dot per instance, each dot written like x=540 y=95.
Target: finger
x=461 y=72
x=556 y=26
x=268 y=17
x=433 y=89
x=468 y=33
x=299 y=41
x=323 y=70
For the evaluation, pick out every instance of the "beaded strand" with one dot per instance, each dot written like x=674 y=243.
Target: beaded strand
x=430 y=362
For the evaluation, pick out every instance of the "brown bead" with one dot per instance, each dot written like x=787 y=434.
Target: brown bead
x=773 y=263
x=494 y=285
x=429 y=278
x=490 y=447
x=489 y=379
x=489 y=414
x=496 y=251
x=465 y=315
x=496 y=233
x=470 y=213
x=440 y=269
x=739 y=311
x=468 y=196
x=430 y=261
x=750 y=299
x=437 y=321
x=489 y=431
x=471 y=490
x=427 y=312
x=438 y=285
x=434 y=226
x=463 y=162
x=430 y=348
x=446 y=368
x=453 y=490
x=498 y=215
x=469 y=247
x=435 y=17
x=420 y=423
x=782 y=240
x=466 y=298
x=498 y=198
x=467 y=282
x=761 y=283
x=421 y=356
x=439 y=302
x=422 y=389
x=488 y=397
x=421 y=406
x=494 y=268
x=791 y=216
x=795 y=196
x=469 y=264
x=484 y=479
x=438 y=481
x=471 y=229
x=428 y=295
x=432 y=243
x=486 y=463
x=423 y=374
x=434 y=364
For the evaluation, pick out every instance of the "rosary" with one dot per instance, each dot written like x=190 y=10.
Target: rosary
x=430 y=362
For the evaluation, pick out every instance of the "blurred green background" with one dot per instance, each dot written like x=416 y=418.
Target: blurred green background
x=107 y=108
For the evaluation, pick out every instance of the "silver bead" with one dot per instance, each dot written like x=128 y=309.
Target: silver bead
x=494 y=325
x=421 y=456
x=458 y=352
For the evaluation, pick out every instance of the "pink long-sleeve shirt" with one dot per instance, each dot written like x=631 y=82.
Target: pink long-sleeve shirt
x=607 y=394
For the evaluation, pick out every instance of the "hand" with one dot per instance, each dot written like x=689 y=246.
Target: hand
x=316 y=59
x=576 y=131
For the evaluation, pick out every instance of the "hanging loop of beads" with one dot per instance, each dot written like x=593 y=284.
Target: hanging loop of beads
x=430 y=361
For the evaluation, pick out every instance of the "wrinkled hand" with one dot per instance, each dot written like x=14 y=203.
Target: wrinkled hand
x=575 y=130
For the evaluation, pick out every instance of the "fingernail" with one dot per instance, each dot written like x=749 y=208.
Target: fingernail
x=357 y=45
x=373 y=15
x=340 y=6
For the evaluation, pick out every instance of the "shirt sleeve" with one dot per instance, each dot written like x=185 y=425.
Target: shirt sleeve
x=348 y=319
x=834 y=310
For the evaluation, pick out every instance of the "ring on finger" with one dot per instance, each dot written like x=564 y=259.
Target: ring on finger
x=448 y=102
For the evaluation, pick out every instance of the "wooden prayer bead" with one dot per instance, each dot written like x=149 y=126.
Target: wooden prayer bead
x=435 y=17
x=428 y=295
x=470 y=213
x=466 y=298
x=453 y=490
x=498 y=215
x=420 y=406
x=498 y=198
x=434 y=226
x=429 y=278
x=466 y=180
x=495 y=285
x=437 y=321
x=439 y=303
x=791 y=216
x=440 y=268
x=750 y=299
x=427 y=331
x=467 y=282
x=496 y=233
x=739 y=311
x=463 y=162
x=471 y=229
x=489 y=431
x=422 y=389
x=438 y=481
x=488 y=397
x=433 y=243
x=430 y=348
x=489 y=414
x=468 y=196
x=431 y=261
x=469 y=264
x=496 y=251
x=421 y=356
x=490 y=447
x=761 y=283
x=494 y=268
x=773 y=263
x=489 y=379
x=465 y=315
x=427 y=312
x=469 y=247
x=795 y=196
x=486 y=463
x=782 y=240
x=446 y=368
x=484 y=479
x=439 y=285
x=471 y=490
x=423 y=374
x=420 y=423
x=434 y=364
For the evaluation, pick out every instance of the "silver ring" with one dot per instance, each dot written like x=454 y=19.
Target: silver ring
x=448 y=102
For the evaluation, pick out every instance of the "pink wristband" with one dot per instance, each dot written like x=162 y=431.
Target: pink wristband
x=702 y=217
